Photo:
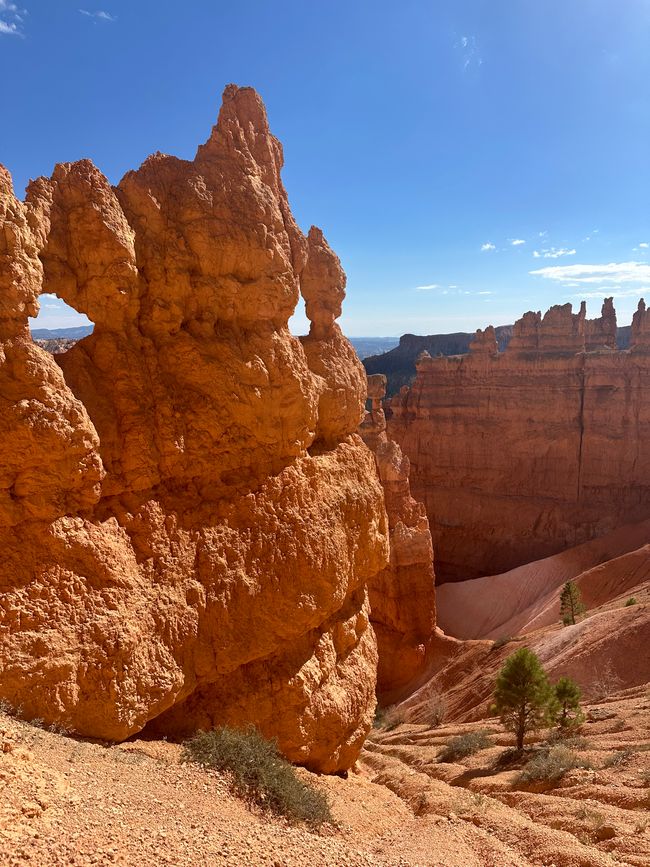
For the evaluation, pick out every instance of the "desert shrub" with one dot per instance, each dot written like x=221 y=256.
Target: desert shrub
x=430 y=711
x=617 y=758
x=393 y=716
x=551 y=764
x=564 y=738
x=605 y=683
x=631 y=601
x=258 y=772
x=523 y=697
x=465 y=745
x=501 y=642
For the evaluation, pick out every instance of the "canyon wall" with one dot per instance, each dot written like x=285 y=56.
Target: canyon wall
x=402 y=596
x=520 y=454
x=188 y=517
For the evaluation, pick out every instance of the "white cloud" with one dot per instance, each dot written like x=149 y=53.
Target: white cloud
x=553 y=253
x=644 y=245
x=486 y=248
x=10 y=23
x=516 y=242
x=103 y=16
x=612 y=293
x=427 y=287
x=485 y=292
x=468 y=47
x=616 y=273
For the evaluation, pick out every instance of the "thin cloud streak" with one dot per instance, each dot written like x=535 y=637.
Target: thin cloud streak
x=616 y=273
x=101 y=15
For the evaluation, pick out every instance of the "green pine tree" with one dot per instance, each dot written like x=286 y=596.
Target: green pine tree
x=571 y=605
x=567 y=695
x=523 y=697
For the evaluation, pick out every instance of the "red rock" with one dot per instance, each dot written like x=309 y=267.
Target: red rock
x=189 y=518
x=402 y=596
x=521 y=454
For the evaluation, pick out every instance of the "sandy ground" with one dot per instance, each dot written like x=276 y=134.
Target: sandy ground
x=72 y=802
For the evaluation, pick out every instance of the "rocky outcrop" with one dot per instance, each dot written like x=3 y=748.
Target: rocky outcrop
x=521 y=454
x=398 y=364
x=188 y=518
x=402 y=596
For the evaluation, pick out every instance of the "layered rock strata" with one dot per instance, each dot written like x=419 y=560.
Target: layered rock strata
x=520 y=454
x=402 y=596
x=188 y=518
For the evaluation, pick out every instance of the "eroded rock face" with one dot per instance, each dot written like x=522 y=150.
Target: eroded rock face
x=521 y=454
x=402 y=596
x=188 y=518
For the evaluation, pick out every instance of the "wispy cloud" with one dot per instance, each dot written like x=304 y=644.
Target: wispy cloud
x=553 y=253
x=469 y=50
x=613 y=273
x=612 y=293
x=516 y=242
x=487 y=247
x=451 y=289
x=101 y=15
x=11 y=17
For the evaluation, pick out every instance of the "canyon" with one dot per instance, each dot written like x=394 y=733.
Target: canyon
x=520 y=454
x=206 y=520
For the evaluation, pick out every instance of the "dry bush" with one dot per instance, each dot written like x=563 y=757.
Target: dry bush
x=606 y=683
x=465 y=745
x=618 y=758
x=551 y=765
x=258 y=772
x=430 y=712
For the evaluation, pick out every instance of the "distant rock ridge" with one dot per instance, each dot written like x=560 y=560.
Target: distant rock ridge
x=402 y=596
x=398 y=364
x=520 y=454
x=188 y=517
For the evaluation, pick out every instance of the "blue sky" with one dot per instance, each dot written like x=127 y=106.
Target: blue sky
x=467 y=160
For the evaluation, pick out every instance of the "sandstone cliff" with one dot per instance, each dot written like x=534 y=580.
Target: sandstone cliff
x=188 y=518
x=402 y=596
x=520 y=454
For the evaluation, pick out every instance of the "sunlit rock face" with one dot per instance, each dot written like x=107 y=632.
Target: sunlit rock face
x=402 y=596
x=188 y=518
x=520 y=454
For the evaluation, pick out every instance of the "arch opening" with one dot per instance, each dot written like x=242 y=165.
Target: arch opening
x=58 y=326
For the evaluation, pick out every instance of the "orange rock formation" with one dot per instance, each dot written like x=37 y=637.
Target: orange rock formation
x=521 y=454
x=188 y=518
x=402 y=596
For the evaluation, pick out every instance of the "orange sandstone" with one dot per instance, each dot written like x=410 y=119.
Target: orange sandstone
x=521 y=454
x=188 y=517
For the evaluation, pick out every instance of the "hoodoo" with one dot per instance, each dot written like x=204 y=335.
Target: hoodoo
x=402 y=596
x=188 y=517
x=520 y=454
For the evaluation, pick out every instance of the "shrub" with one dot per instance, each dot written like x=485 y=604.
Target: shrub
x=567 y=695
x=432 y=708
x=631 y=601
x=551 y=765
x=571 y=605
x=259 y=773
x=501 y=642
x=465 y=745
x=564 y=738
x=617 y=758
x=523 y=697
